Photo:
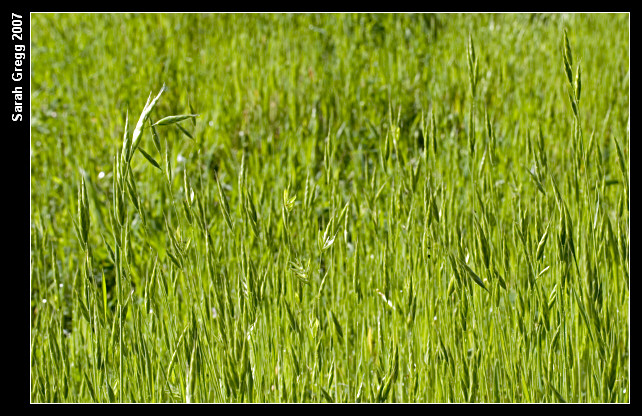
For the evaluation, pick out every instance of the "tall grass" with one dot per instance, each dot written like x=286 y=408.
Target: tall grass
x=330 y=208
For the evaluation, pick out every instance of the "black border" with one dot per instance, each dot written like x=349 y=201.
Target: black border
x=18 y=135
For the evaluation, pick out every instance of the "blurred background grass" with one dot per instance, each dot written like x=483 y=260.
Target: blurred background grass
x=273 y=81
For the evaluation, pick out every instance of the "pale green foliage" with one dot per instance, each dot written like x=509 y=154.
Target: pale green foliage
x=368 y=208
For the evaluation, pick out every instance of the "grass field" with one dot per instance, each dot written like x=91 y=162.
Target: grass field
x=349 y=208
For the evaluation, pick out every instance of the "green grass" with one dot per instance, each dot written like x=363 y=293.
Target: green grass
x=359 y=208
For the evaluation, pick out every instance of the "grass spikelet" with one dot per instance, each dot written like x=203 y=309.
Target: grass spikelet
x=138 y=130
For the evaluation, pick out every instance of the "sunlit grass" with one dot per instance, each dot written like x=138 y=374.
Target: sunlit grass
x=348 y=208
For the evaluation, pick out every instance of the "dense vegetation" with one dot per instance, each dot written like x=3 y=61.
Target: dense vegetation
x=352 y=208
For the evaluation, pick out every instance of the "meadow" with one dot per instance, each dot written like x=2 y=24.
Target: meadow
x=330 y=208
